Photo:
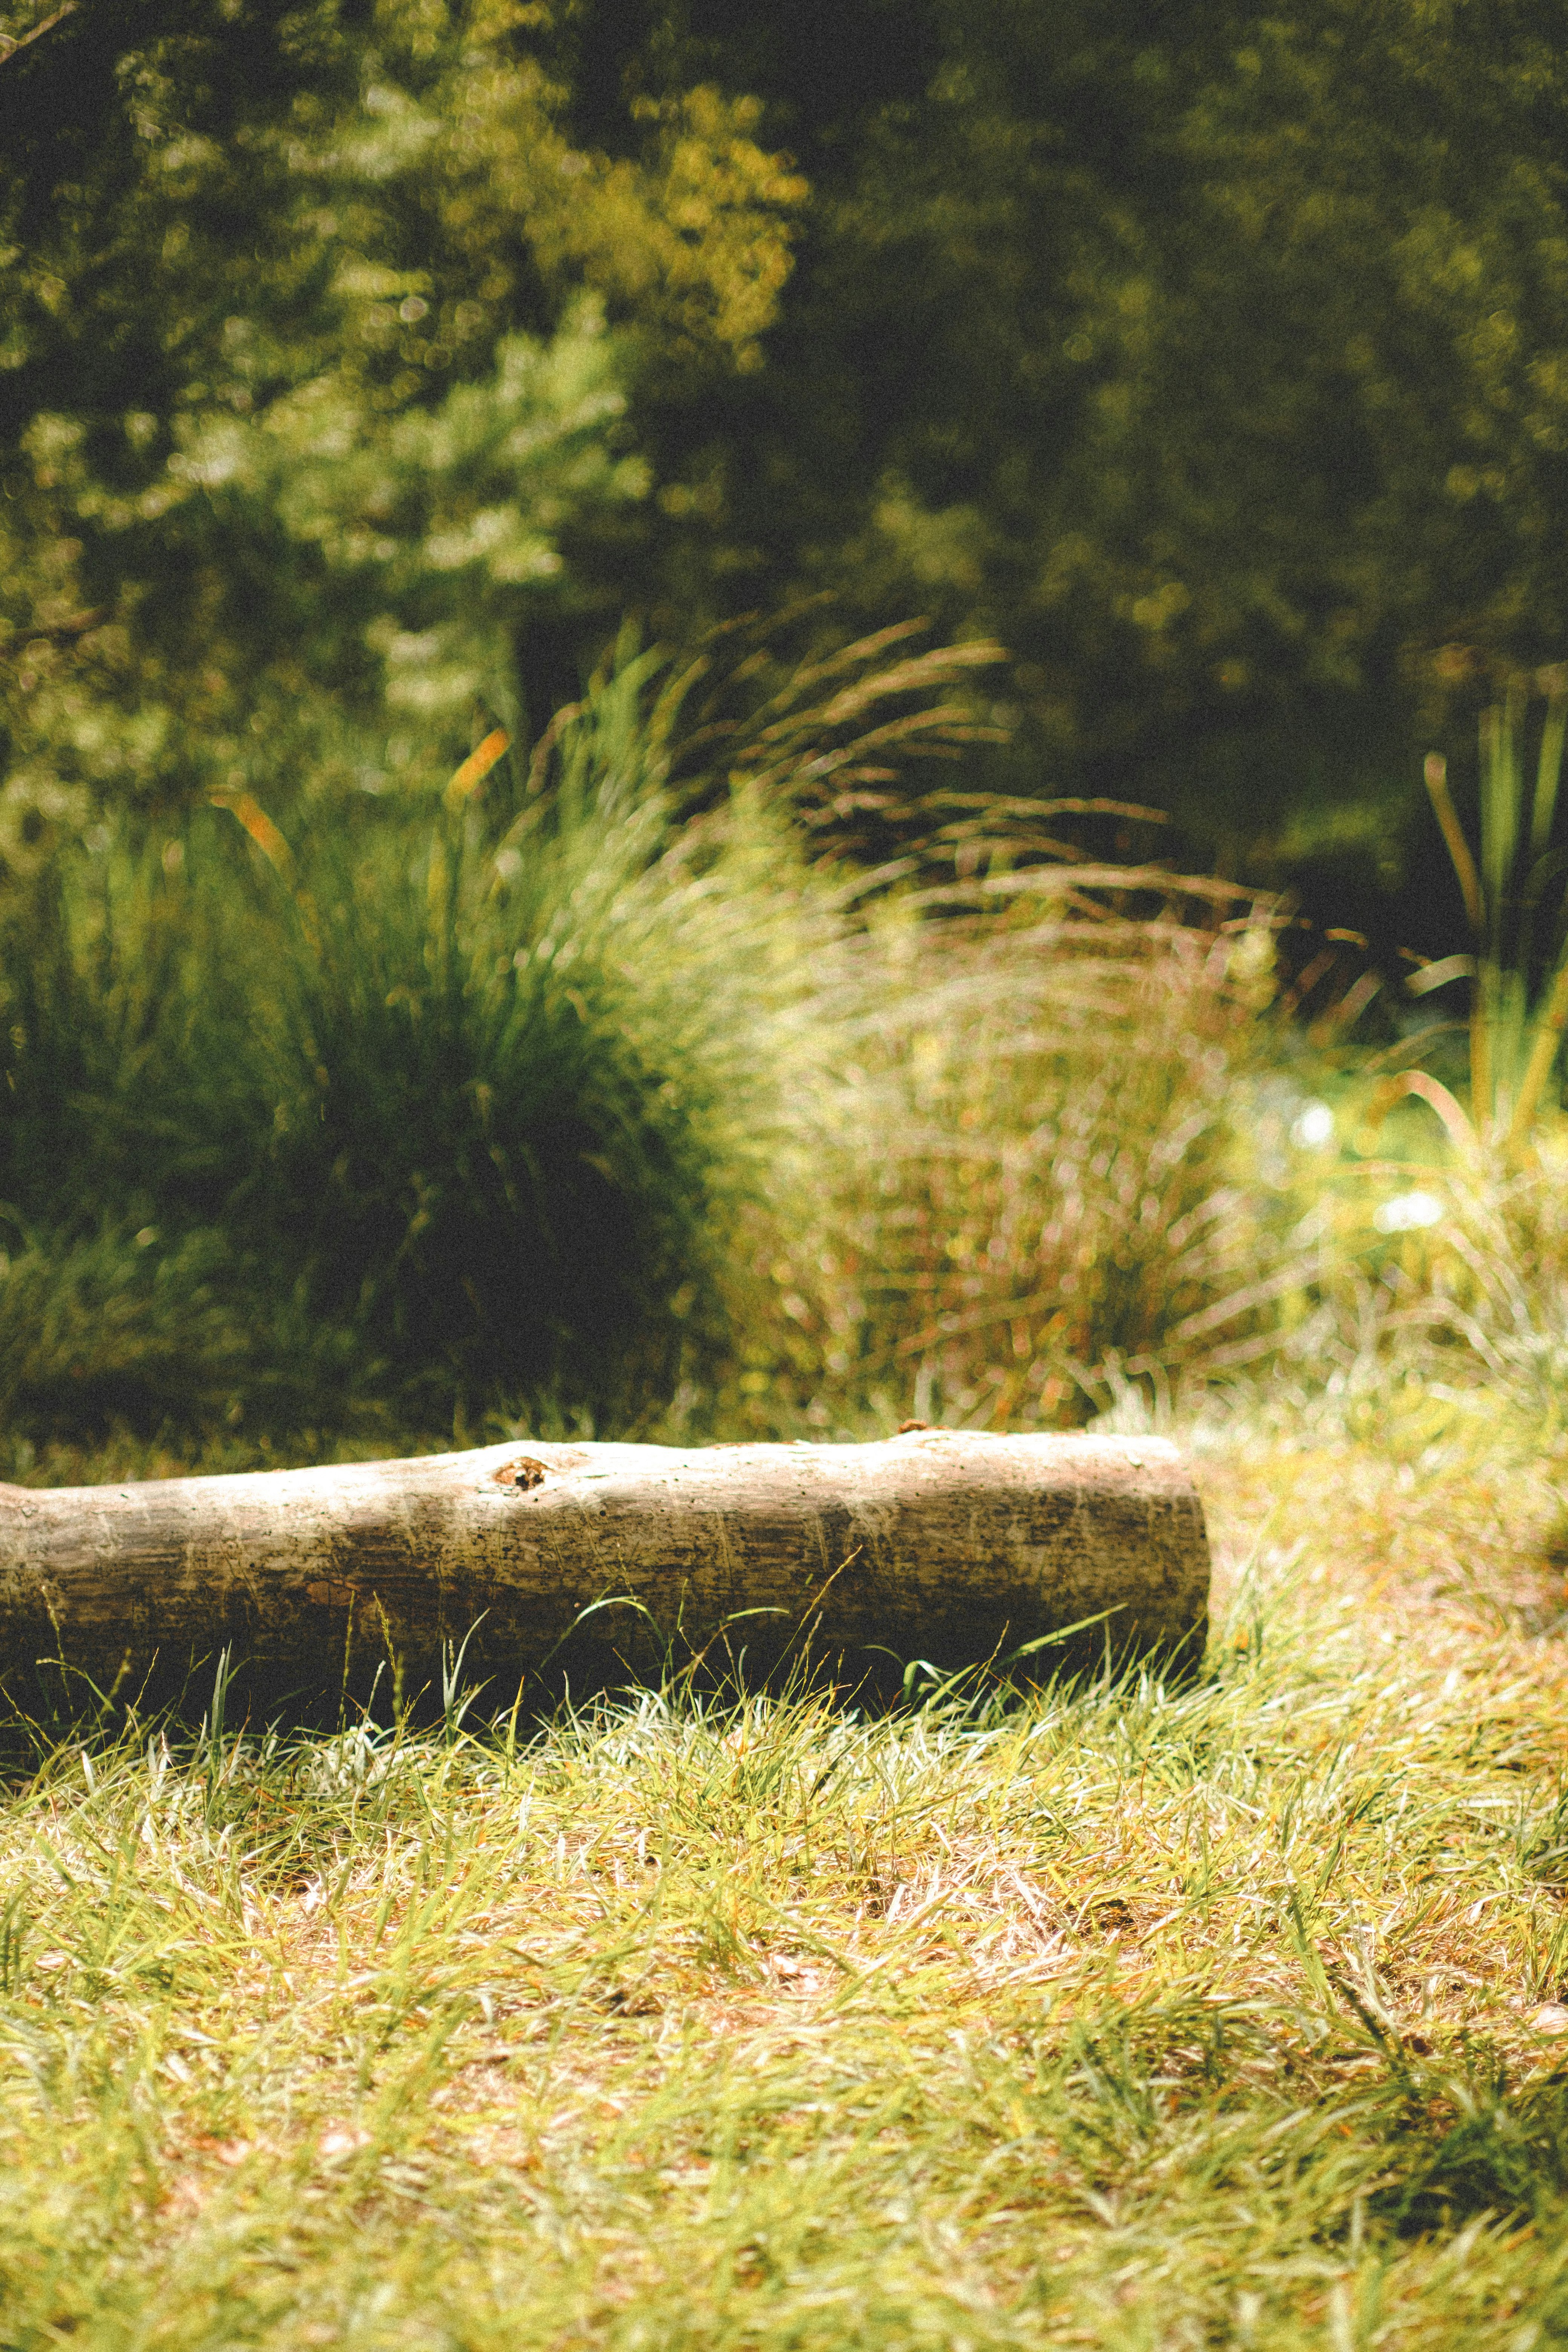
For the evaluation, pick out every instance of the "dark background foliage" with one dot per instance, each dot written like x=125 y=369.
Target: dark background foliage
x=1216 y=359
x=1212 y=356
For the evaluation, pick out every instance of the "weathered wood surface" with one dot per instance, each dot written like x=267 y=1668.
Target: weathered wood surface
x=952 y=1546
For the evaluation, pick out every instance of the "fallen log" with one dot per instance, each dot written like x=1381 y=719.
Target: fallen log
x=581 y=1566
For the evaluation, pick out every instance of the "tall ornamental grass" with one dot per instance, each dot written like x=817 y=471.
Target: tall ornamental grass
x=436 y=1112
x=1041 y=1184
x=619 y=1095
x=590 y=1096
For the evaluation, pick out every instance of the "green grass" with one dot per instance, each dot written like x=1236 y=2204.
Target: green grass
x=1115 y=2017
x=1119 y=2014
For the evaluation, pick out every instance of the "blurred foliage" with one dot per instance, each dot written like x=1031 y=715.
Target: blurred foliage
x=363 y=362
x=1214 y=357
x=316 y=330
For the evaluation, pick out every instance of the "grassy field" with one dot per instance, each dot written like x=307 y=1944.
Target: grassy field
x=618 y=1103
x=1122 y=2016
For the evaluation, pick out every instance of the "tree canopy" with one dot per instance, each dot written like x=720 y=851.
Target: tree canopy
x=320 y=330
x=363 y=362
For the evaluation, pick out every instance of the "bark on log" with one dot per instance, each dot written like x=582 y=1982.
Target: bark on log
x=595 y=1564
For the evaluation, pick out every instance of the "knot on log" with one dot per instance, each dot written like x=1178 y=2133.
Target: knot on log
x=522 y=1474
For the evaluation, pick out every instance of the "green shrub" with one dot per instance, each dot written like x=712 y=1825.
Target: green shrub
x=453 y=1107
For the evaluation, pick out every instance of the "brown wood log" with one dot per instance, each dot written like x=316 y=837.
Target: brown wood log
x=588 y=1565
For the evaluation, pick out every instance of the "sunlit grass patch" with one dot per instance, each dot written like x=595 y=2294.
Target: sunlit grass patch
x=1113 y=2014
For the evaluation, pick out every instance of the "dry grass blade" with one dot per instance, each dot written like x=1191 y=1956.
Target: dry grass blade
x=832 y=737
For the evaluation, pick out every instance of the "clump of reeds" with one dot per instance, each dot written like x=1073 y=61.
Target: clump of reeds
x=1513 y=899
x=610 y=1089
x=1037 y=1180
